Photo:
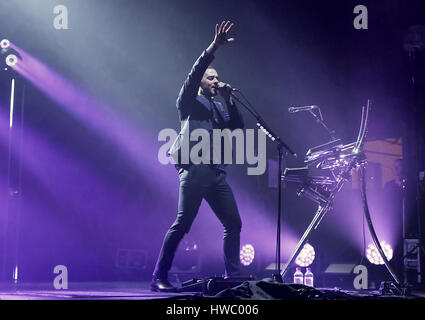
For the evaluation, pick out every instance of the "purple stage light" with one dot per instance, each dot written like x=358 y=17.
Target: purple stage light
x=11 y=60
x=4 y=44
x=306 y=256
x=247 y=254
x=95 y=114
x=373 y=255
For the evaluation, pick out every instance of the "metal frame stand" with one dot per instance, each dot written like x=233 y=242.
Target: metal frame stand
x=322 y=209
x=373 y=233
x=343 y=164
x=320 y=213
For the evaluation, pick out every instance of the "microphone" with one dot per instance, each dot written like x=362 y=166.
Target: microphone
x=301 y=108
x=225 y=86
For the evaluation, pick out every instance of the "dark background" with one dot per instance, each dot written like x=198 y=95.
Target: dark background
x=89 y=190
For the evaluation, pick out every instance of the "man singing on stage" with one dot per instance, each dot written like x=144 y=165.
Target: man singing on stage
x=198 y=109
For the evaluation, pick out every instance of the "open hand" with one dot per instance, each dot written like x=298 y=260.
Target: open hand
x=221 y=33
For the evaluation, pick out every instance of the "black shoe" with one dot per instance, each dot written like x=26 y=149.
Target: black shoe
x=162 y=285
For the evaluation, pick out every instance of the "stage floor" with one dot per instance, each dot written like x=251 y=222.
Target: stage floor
x=85 y=291
x=141 y=291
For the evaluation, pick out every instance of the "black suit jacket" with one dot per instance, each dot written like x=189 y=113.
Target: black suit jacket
x=195 y=112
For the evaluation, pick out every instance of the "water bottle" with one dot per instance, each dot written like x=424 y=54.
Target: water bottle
x=298 y=276
x=308 y=278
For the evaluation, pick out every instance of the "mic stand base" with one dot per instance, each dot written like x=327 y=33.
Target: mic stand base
x=277 y=277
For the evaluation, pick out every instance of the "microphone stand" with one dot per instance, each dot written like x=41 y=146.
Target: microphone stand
x=280 y=146
x=320 y=121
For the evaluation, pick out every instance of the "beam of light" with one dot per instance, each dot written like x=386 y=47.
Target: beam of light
x=348 y=218
x=139 y=146
x=49 y=158
x=12 y=102
x=69 y=185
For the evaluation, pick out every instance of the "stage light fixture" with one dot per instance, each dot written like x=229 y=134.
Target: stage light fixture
x=4 y=44
x=9 y=57
x=306 y=256
x=11 y=60
x=247 y=254
x=373 y=255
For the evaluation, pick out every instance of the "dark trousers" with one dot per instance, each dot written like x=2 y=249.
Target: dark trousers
x=196 y=183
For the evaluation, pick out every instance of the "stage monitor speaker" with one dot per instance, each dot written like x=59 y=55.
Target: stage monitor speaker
x=338 y=275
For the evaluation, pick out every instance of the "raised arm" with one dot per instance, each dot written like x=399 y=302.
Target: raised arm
x=190 y=87
x=235 y=117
